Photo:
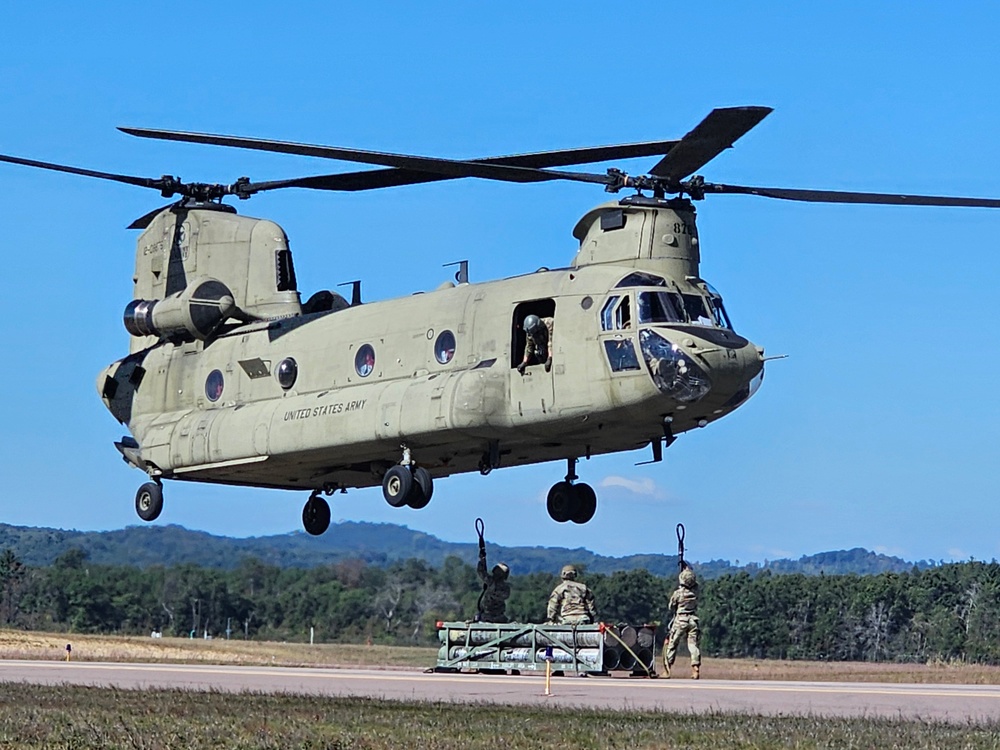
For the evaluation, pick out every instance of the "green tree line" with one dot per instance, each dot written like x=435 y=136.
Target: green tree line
x=948 y=611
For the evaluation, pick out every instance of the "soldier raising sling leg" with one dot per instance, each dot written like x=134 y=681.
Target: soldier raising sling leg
x=684 y=605
x=492 y=605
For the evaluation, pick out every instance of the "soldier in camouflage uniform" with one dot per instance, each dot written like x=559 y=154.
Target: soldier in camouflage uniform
x=684 y=605
x=538 y=342
x=496 y=590
x=571 y=602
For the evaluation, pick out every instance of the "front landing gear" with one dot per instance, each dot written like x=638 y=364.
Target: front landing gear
x=149 y=501
x=316 y=514
x=571 y=502
x=407 y=484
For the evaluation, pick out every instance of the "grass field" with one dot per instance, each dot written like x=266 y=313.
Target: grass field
x=21 y=645
x=77 y=717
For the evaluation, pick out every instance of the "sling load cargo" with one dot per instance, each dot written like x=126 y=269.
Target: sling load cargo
x=596 y=649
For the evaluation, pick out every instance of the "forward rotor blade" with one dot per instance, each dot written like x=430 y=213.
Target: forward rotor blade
x=713 y=135
x=373 y=179
x=444 y=167
x=838 y=196
x=587 y=155
x=127 y=179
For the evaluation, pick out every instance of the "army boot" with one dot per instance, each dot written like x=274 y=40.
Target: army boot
x=695 y=671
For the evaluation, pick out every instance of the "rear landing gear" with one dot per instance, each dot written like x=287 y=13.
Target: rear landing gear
x=423 y=488
x=149 y=501
x=571 y=502
x=316 y=514
x=397 y=485
x=407 y=484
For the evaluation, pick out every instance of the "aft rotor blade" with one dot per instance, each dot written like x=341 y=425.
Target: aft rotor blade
x=713 y=135
x=146 y=219
x=445 y=167
x=127 y=179
x=839 y=196
x=373 y=179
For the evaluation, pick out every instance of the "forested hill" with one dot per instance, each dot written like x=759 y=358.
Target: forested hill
x=380 y=544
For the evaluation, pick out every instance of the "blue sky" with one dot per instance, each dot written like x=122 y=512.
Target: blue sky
x=879 y=430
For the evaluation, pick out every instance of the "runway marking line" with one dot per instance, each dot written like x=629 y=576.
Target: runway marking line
x=194 y=669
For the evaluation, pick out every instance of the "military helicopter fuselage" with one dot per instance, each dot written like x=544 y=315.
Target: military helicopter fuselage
x=232 y=379
x=322 y=399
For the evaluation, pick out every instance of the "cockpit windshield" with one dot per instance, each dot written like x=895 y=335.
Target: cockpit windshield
x=697 y=311
x=674 y=307
x=660 y=307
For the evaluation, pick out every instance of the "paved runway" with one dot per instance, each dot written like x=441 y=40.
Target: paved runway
x=958 y=703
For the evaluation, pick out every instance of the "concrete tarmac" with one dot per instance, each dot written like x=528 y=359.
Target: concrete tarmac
x=953 y=703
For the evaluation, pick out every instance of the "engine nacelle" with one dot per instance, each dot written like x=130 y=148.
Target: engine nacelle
x=196 y=312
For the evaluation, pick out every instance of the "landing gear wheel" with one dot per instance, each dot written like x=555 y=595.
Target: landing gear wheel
x=585 y=504
x=561 y=502
x=397 y=485
x=316 y=515
x=149 y=501
x=422 y=489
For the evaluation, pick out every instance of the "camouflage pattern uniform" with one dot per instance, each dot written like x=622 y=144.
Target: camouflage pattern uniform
x=496 y=591
x=571 y=602
x=684 y=605
x=538 y=348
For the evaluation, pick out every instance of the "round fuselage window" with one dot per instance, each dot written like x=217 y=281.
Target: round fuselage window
x=214 y=385
x=287 y=372
x=364 y=360
x=444 y=347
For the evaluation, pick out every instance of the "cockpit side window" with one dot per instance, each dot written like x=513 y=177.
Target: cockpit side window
x=623 y=315
x=617 y=313
x=720 y=312
x=621 y=354
x=607 y=314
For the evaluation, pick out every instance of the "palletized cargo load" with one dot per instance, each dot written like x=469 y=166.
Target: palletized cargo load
x=590 y=649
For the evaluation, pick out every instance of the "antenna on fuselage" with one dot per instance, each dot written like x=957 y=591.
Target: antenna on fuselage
x=462 y=274
x=355 y=291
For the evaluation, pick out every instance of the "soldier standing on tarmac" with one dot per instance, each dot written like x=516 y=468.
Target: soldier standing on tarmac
x=684 y=605
x=571 y=602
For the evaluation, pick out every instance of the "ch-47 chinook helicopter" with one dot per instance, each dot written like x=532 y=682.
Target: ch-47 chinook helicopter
x=232 y=379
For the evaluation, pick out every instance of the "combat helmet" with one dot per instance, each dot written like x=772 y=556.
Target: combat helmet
x=532 y=323
x=502 y=569
x=687 y=578
x=568 y=573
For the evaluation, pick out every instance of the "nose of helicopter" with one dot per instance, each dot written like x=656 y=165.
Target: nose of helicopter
x=716 y=369
x=736 y=373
